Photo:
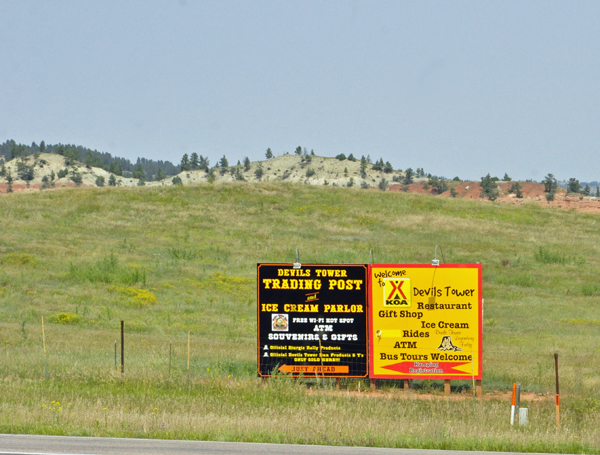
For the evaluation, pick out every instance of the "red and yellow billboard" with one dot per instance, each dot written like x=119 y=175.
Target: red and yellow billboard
x=425 y=321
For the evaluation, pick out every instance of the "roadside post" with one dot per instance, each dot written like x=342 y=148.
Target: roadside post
x=557 y=393
x=514 y=404
x=122 y=348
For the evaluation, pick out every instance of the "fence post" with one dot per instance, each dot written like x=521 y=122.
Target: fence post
x=557 y=393
x=122 y=348
x=188 y=355
x=44 y=344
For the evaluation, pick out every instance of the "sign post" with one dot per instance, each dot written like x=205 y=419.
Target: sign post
x=312 y=320
x=425 y=321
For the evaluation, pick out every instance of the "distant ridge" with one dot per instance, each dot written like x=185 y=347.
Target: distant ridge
x=42 y=171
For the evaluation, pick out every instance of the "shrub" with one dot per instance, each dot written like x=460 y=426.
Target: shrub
x=549 y=257
x=17 y=259
x=25 y=172
x=76 y=177
x=516 y=188
x=383 y=184
x=64 y=318
x=100 y=181
x=590 y=290
x=439 y=184
x=341 y=157
x=177 y=180
x=310 y=172
x=238 y=175
x=139 y=298
x=107 y=271
x=46 y=183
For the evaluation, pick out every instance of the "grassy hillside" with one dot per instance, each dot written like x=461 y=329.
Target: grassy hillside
x=169 y=260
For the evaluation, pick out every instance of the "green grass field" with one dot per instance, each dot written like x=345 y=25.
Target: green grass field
x=174 y=260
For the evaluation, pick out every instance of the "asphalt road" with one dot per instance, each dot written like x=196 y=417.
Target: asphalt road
x=45 y=445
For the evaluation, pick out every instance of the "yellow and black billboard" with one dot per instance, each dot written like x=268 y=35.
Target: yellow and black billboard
x=425 y=321
x=312 y=320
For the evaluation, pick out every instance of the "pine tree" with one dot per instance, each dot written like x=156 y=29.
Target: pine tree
x=9 y=180
x=247 y=163
x=363 y=166
x=573 y=185
x=259 y=172
x=586 y=190
x=194 y=161
x=203 y=163
x=112 y=181
x=269 y=154
x=550 y=183
x=185 y=162
x=139 y=172
x=488 y=188
x=115 y=168
x=518 y=191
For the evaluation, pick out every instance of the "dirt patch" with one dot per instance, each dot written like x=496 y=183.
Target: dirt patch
x=413 y=395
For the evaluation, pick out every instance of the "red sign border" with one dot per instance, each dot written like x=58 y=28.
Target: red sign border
x=372 y=375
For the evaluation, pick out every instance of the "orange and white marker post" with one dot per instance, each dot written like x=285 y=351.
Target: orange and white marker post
x=514 y=401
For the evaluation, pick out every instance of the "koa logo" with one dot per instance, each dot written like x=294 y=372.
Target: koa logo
x=397 y=292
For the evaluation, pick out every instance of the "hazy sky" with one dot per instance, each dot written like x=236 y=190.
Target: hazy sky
x=456 y=87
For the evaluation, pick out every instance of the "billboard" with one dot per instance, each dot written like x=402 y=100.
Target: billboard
x=425 y=321
x=312 y=320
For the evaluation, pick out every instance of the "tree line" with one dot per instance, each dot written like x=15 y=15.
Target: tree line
x=143 y=167
x=147 y=170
